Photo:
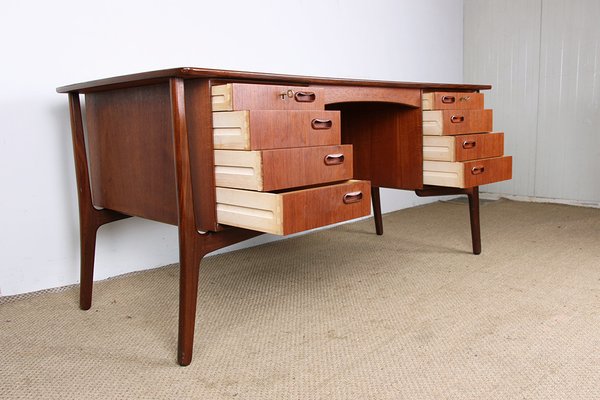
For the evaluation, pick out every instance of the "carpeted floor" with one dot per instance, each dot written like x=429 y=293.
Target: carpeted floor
x=339 y=314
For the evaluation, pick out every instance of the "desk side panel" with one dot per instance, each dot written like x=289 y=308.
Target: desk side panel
x=130 y=147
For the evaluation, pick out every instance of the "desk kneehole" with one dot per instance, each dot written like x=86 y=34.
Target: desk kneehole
x=294 y=211
x=467 y=174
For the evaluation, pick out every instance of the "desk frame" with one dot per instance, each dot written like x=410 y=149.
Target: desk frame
x=199 y=234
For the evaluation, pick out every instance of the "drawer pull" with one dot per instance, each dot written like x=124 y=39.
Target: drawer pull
x=469 y=144
x=477 y=170
x=334 y=159
x=353 y=197
x=305 y=97
x=457 y=119
x=318 y=123
x=448 y=99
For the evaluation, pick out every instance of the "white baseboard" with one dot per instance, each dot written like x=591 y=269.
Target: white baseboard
x=533 y=199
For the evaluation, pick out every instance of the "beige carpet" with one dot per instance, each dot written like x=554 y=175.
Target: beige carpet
x=339 y=314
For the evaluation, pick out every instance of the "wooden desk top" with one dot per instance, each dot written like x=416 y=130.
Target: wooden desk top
x=190 y=73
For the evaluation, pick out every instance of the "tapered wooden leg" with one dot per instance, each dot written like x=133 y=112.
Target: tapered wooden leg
x=473 y=195
x=377 y=210
x=192 y=248
x=189 y=266
x=90 y=219
x=87 y=242
x=192 y=245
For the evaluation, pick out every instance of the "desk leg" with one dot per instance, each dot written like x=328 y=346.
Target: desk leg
x=377 y=210
x=190 y=255
x=473 y=195
x=90 y=218
x=193 y=246
x=89 y=222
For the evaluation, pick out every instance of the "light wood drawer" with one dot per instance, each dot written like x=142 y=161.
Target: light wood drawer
x=267 y=170
x=295 y=211
x=456 y=122
x=463 y=147
x=269 y=129
x=467 y=174
x=249 y=96
x=452 y=101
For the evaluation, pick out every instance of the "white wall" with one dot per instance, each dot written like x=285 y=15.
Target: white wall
x=543 y=59
x=49 y=44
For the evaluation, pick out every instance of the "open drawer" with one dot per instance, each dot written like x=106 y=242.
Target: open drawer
x=467 y=174
x=463 y=147
x=293 y=211
x=452 y=101
x=253 y=96
x=279 y=169
x=456 y=122
x=275 y=129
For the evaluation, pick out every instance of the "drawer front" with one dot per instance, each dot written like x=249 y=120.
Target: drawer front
x=463 y=147
x=456 y=122
x=294 y=211
x=275 y=129
x=467 y=174
x=452 y=101
x=248 y=96
x=278 y=169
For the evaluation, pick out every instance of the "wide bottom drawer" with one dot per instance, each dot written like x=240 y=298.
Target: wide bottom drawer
x=294 y=211
x=467 y=174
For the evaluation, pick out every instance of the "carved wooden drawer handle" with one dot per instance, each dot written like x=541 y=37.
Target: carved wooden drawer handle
x=477 y=170
x=334 y=159
x=305 y=97
x=457 y=119
x=353 y=197
x=318 y=123
x=448 y=99
x=469 y=144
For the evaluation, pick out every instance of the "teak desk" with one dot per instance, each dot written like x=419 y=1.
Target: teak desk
x=228 y=155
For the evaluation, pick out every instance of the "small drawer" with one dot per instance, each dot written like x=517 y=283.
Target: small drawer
x=267 y=170
x=295 y=211
x=463 y=147
x=249 y=96
x=269 y=129
x=467 y=174
x=452 y=101
x=456 y=122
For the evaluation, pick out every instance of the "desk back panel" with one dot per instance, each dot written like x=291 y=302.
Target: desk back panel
x=388 y=143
